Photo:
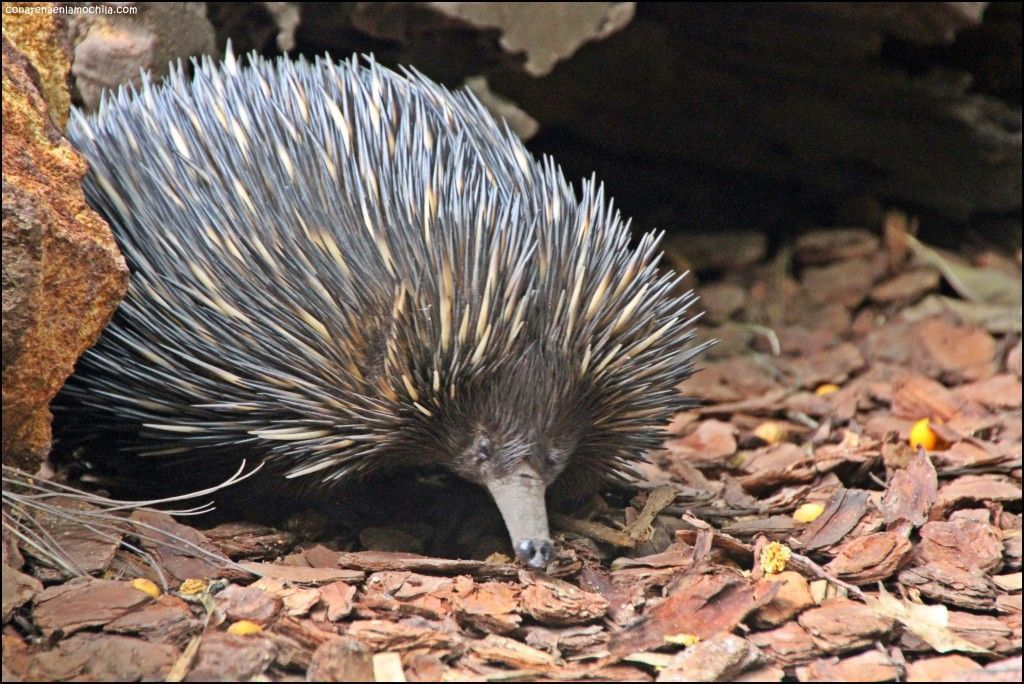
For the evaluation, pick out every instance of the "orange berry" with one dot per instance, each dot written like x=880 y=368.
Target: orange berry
x=922 y=435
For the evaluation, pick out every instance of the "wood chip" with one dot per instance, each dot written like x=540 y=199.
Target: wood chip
x=911 y=492
x=376 y=561
x=951 y=585
x=297 y=600
x=718 y=659
x=338 y=598
x=101 y=657
x=974 y=488
x=871 y=666
x=168 y=620
x=948 y=541
x=222 y=656
x=301 y=575
x=840 y=625
x=870 y=558
x=494 y=605
x=18 y=589
x=786 y=646
x=955 y=353
x=554 y=602
x=940 y=668
x=793 y=596
x=249 y=603
x=842 y=513
x=387 y=667
x=906 y=288
x=704 y=605
x=998 y=392
x=240 y=540
x=915 y=397
x=499 y=649
x=85 y=602
x=834 y=244
x=412 y=634
x=182 y=552
x=711 y=441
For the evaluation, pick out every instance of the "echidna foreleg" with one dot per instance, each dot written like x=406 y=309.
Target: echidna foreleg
x=520 y=498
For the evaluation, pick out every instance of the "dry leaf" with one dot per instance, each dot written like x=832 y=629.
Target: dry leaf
x=983 y=285
x=929 y=623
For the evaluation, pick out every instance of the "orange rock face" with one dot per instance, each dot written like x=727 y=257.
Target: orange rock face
x=63 y=273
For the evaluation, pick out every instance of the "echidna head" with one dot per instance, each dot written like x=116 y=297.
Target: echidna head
x=514 y=433
x=516 y=467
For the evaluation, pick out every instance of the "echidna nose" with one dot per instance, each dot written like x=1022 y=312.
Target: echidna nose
x=536 y=553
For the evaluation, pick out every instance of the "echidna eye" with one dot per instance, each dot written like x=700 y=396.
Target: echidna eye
x=484 y=449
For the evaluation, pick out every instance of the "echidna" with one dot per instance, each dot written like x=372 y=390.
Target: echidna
x=341 y=269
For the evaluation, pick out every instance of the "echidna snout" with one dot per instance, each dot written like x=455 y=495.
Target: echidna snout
x=520 y=498
x=516 y=472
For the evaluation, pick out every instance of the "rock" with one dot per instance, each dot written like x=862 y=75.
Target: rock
x=40 y=38
x=63 y=273
x=111 y=49
x=740 y=89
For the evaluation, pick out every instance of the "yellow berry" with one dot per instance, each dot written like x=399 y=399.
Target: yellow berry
x=922 y=435
x=828 y=388
x=244 y=628
x=682 y=639
x=770 y=432
x=809 y=512
x=146 y=586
